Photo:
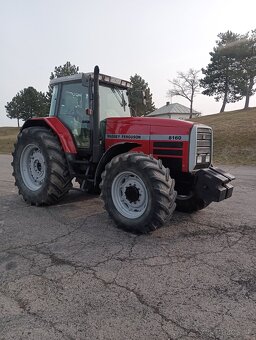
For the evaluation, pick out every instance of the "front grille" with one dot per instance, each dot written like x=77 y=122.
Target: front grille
x=168 y=145
x=168 y=148
x=204 y=133
x=204 y=147
x=168 y=152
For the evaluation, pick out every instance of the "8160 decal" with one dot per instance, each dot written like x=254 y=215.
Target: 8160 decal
x=175 y=137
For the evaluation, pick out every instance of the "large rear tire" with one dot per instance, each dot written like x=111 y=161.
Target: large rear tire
x=138 y=192
x=39 y=167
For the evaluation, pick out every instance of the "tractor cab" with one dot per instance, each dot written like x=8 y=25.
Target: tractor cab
x=72 y=103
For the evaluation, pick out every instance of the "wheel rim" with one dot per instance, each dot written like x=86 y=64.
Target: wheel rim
x=185 y=197
x=32 y=167
x=129 y=195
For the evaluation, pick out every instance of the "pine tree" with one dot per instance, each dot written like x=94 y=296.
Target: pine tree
x=223 y=75
x=140 y=107
x=245 y=54
x=26 y=104
x=61 y=71
x=13 y=109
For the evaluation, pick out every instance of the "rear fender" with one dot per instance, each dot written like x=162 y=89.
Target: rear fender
x=59 y=130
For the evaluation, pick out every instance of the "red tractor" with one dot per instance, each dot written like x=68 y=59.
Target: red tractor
x=144 y=167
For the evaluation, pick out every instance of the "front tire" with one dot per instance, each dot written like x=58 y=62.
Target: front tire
x=190 y=203
x=138 y=192
x=39 y=167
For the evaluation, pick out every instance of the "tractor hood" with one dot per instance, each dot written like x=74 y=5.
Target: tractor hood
x=162 y=138
x=146 y=127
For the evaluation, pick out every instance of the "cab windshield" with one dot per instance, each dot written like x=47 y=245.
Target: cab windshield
x=113 y=102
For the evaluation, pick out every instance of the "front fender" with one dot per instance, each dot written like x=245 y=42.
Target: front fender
x=113 y=151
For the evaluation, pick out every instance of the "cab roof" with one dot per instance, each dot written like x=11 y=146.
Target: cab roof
x=103 y=78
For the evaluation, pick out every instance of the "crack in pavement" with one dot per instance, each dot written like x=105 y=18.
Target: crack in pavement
x=23 y=305
x=55 y=239
x=92 y=270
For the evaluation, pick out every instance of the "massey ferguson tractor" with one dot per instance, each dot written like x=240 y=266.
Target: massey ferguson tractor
x=144 y=167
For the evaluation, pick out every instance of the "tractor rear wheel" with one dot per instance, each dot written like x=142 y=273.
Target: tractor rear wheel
x=40 y=167
x=138 y=192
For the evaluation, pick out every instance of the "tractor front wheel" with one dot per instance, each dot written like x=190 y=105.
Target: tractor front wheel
x=138 y=192
x=190 y=203
x=39 y=167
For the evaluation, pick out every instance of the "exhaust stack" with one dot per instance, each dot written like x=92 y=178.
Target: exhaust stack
x=96 y=117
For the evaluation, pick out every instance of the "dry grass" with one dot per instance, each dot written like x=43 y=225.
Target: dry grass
x=8 y=137
x=234 y=135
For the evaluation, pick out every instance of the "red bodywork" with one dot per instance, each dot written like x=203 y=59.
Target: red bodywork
x=161 y=137
x=60 y=129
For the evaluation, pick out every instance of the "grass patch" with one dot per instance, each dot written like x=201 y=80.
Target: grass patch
x=234 y=135
x=8 y=136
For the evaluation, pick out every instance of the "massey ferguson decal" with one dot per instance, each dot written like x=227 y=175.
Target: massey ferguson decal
x=124 y=136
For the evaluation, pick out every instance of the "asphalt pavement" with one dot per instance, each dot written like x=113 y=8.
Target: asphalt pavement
x=66 y=271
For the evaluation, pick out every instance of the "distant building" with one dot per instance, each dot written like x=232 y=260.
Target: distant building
x=174 y=111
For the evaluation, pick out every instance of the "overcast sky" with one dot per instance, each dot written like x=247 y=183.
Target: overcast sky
x=154 y=38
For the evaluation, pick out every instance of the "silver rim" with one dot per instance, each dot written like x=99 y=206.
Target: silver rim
x=184 y=197
x=32 y=167
x=129 y=195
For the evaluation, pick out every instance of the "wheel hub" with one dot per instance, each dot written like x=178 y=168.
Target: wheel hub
x=129 y=195
x=32 y=167
x=132 y=193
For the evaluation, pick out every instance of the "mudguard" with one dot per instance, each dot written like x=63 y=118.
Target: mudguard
x=58 y=128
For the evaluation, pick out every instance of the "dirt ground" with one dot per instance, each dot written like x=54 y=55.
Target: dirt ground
x=66 y=271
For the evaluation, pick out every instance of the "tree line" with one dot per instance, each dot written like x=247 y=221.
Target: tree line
x=29 y=102
x=230 y=75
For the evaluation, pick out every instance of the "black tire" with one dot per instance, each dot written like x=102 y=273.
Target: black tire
x=153 y=182
x=190 y=204
x=56 y=180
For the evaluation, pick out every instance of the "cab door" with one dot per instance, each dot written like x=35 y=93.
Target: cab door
x=72 y=111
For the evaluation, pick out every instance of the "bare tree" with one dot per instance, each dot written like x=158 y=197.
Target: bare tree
x=185 y=85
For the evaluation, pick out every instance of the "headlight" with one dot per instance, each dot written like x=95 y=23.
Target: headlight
x=208 y=158
x=199 y=159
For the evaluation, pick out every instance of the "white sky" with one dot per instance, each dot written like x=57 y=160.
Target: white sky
x=152 y=38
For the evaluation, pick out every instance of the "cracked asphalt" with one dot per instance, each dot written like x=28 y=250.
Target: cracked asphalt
x=66 y=272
